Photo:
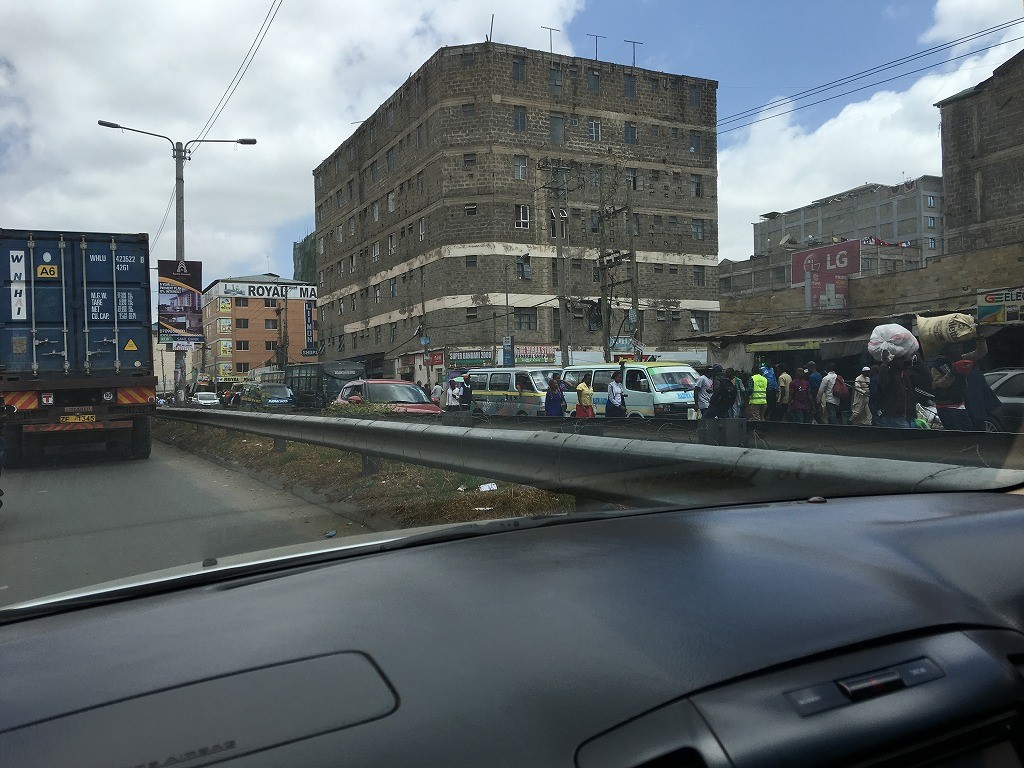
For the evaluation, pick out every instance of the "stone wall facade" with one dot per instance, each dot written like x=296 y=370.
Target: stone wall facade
x=470 y=158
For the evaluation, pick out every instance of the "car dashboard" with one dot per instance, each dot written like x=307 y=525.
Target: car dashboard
x=882 y=631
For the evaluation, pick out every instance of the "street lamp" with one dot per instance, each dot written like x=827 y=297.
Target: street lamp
x=181 y=153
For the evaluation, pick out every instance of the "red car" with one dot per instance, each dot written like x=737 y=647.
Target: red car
x=399 y=396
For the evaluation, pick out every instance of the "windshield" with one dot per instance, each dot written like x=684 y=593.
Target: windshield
x=669 y=380
x=396 y=393
x=782 y=242
x=275 y=390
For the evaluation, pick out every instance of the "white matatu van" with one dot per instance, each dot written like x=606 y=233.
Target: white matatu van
x=661 y=390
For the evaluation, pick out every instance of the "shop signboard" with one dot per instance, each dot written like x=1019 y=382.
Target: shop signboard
x=469 y=358
x=179 y=311
x=824 y=273
x=526 y=355
x=1002 y=305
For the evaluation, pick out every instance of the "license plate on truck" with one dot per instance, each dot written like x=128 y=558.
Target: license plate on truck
x=78 y=418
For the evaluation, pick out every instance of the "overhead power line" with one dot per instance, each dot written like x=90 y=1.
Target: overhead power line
x=872 y=71
x=869 y=85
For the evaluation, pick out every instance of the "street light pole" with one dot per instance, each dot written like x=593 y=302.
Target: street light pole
x=180 y=153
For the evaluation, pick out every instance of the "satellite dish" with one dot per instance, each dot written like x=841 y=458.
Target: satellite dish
x=786 y=239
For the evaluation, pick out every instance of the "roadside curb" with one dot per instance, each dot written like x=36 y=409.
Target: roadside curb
x=374 y=521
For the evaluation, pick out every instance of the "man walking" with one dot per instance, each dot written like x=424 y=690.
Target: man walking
x=702 y=391
x=782 y=405
x=758 y=404
x=860 y=409
x=828 y=400
x=800 y=402
x=814 y=385
x=452 y=396
x=771 y=393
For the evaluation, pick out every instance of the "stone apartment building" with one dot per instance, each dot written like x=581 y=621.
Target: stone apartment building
x=983 y=160
x=448 y=204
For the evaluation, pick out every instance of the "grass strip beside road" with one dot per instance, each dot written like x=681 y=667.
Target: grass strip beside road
x=406 y=494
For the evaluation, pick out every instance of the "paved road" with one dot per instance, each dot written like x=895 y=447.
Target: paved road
x=81 y=519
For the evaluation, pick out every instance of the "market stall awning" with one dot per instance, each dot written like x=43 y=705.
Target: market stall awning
x=783 y=345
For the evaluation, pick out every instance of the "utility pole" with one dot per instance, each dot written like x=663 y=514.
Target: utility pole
x=634 y=269
x=560 y=231
x=606 y=304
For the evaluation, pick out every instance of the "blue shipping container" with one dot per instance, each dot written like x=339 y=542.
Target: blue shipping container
x=75 y=303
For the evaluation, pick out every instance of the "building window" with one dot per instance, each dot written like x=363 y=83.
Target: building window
x=374 y=172
x=519 y=119
x=931 y=201
x=555 y=81
x=468 y=59
x=270 y=324
x=931 y=222
x=595 y=176
x=376 y=335
x=393 y=285
x=595 y=221
x=593 y=81
x=522 y=216
x=242 y=323
x=697 y=229
x=242 y=346
x=519 y=166
x=271 y=303
x=701 y=320
x=660 y=315
x=241 y=302
x=353 y=297
x=340 y=234
x=469 y=160
x=376 y=294
x=695 y=142
x=469 y=110
x=241 y=367
x=654 y=130
x=693 y=95
x=630 y=135
x=471 y=313
x=557 y=128
x=658 y=269
x=696 y=185
x=470 y=209
x=634 y=179
x=576 y=263
x=351 y=226
x=931 y=243
x=394 y=332
x=594 y=129
x=270 y=346
x=423 y=229
x=375 y=251
x=636 y=223
x=673 y=269
x=389 y=158
x=392 y=244
x=525 y=318
x=558 y=216
x=629 y=86
x=352 y=263
x=471 y=261
x=375 y=208
x=653 y=82
x=518 y=68
x=524 y=270
x=419 y=182
x=596 y=274
x=676 y=315
x=700 y=276
x=391 y=202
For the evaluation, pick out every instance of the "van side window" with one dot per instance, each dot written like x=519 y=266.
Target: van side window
x=637 y=381
x=522 y=381
x=572 y=378
x=501 y=382
x=478 y=380
x=601 y=379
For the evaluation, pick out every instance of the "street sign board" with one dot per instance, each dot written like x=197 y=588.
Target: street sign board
x=309 y=352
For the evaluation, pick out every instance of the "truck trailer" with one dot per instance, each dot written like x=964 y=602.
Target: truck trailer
x=76 y=351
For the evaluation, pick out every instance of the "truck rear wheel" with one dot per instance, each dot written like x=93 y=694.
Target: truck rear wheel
x=142 y=438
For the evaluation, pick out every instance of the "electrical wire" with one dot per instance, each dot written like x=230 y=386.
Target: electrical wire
x=868 y=72
x=247 y=60
x=865 y=87
x=163 y=222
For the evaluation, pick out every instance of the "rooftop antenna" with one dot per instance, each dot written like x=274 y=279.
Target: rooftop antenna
x=595 y=43
x=635 y=44
x=551 y=43
x=490 y=37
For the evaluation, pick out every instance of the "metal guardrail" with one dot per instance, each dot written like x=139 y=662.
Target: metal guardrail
x=633 y=471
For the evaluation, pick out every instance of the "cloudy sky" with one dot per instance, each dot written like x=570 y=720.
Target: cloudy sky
x=325 y=64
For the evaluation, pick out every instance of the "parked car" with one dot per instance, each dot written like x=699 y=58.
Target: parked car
x=399 y=396
x=205 y=399
x=1008 y=384
x=266 y=396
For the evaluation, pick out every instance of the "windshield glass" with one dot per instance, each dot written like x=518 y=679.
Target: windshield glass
x=396 y=393
x=668 y=380
x=782 y=242
x=275 y=390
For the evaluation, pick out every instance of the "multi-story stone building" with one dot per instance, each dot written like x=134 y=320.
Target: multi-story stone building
x=983 y=161
x=910 y=213
x=450 y=202
x=253 y=322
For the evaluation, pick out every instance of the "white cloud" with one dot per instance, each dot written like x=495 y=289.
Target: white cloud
x=780 y=164
x=162 y=67
x=955 y=18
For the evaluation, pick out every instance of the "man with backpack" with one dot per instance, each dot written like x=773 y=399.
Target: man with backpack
x=833 y=388
x=723 y=395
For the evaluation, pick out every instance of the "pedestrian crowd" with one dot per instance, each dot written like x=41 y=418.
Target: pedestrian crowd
x=902 y=390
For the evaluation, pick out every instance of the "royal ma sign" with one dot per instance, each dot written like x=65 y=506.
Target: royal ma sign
x=291 y=291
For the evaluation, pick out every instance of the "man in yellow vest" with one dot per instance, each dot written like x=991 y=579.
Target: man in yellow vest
x=758 y=395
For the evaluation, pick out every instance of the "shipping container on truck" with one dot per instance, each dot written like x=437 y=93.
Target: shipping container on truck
x=76 y=353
